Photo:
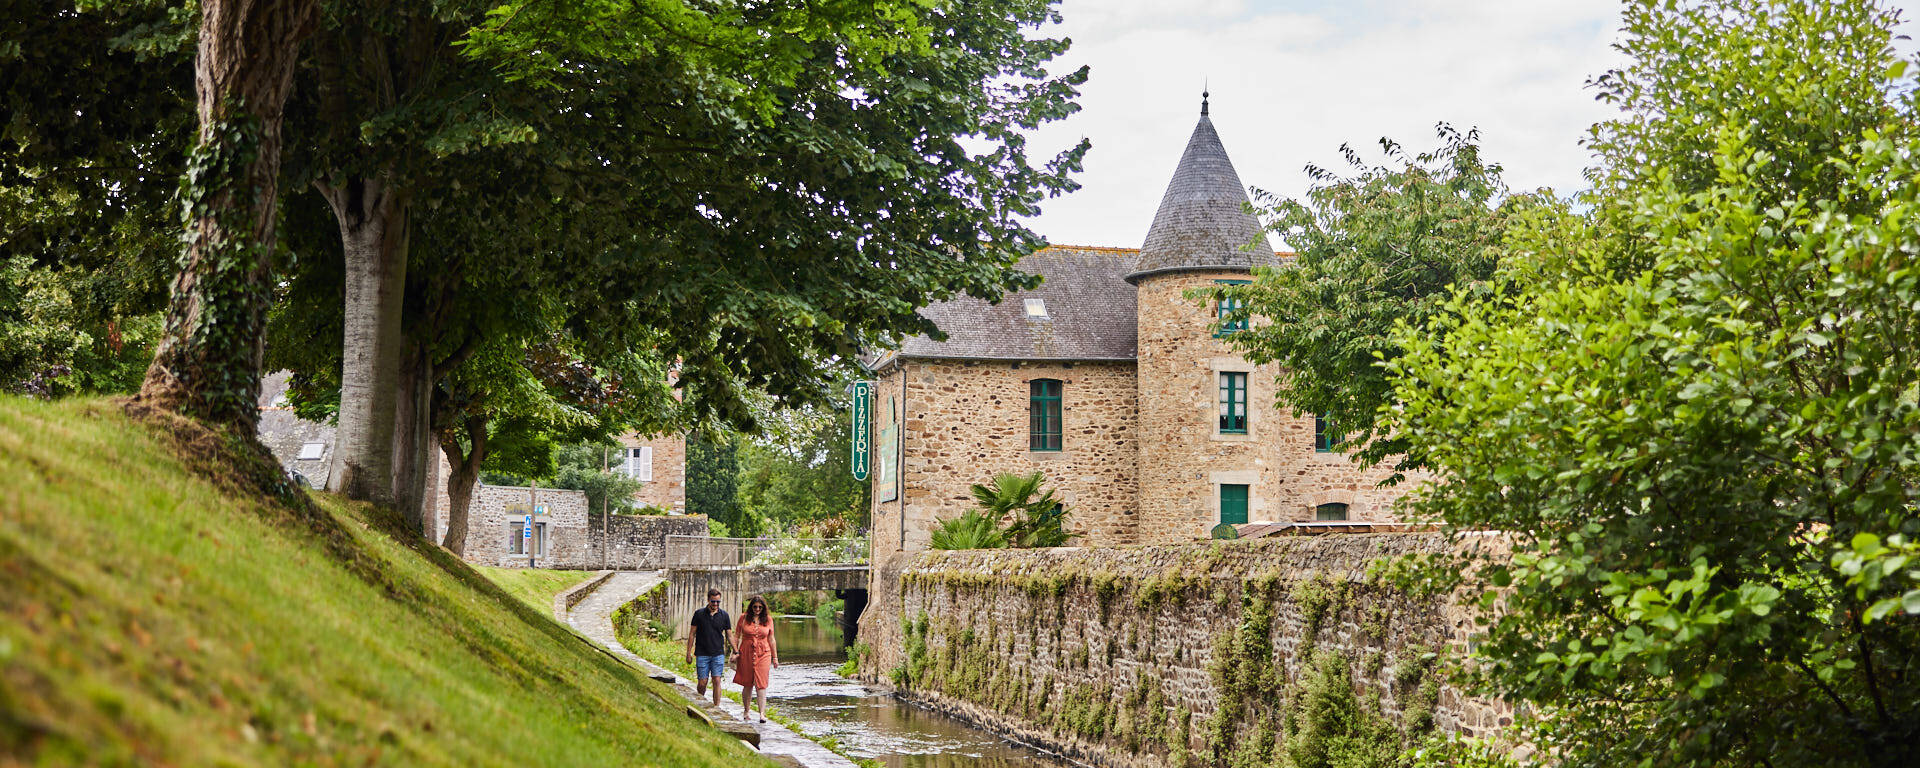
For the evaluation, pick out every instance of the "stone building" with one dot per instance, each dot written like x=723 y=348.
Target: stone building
x=565 y=533
x=1112 y=380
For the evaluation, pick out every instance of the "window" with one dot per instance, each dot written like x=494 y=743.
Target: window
x=1233 y=403
x=311 y=451
x=517 y=541
x=1324 y=436
x=1227 y=306
x=1333 y=511
x=1043 y=415
x=1036 y=307
x=1233 y=504
x=640 y=463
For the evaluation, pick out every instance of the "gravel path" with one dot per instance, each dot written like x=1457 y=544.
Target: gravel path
x=593 y=617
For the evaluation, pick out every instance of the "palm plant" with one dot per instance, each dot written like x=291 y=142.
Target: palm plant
x=1035 y=522
x=971 y=530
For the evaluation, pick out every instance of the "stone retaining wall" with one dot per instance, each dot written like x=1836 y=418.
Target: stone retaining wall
x=1177 y=654
x=639 y=542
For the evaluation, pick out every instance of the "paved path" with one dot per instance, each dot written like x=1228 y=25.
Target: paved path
x=593 y=617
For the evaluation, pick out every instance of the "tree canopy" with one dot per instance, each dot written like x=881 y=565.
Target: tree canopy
x=1692 y=408
x=1371 y=250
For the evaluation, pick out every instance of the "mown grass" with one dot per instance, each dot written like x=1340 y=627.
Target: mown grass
x=156 y=616
x=533 y=586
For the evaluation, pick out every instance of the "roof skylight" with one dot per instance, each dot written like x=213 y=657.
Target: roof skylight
x=1036 y=307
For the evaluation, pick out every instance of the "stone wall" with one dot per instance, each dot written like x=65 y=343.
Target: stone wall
x=1174 y=655
x=577 y=538
x=668 y=489
x=639 y=542
x=1184 y=458
x=968 y=420
x=496 y=507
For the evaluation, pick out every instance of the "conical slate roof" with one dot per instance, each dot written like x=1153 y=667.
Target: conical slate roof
x=1203 y=222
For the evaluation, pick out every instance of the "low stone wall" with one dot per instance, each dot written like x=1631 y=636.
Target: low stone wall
x=1199 y=654
x=639 y=542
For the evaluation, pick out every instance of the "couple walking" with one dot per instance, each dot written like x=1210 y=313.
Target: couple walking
x=752 y=647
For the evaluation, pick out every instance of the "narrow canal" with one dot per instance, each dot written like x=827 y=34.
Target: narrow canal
x=872 y=724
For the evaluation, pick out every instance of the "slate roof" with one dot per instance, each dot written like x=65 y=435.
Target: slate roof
x=285 y=434
x=1203 y=222
x=1090 y=313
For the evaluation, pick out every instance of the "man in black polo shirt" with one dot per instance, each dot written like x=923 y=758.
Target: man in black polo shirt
x=707 y=645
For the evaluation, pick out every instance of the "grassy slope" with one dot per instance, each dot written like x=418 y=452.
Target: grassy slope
x=533 y=586
x=153 y=618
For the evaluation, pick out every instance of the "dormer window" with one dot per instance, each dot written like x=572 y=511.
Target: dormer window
x=1036 y=307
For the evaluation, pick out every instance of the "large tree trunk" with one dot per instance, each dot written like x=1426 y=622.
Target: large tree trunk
x=413 y=433
x=207 y=363
x=373 y=234
x=462 y=471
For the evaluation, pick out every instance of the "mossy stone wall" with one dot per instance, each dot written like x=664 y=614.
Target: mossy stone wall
x=1277 y=651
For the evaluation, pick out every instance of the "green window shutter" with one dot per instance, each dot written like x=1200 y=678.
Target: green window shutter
x=1233 y=403
x=1043 y=415
x=1324 y=437
x=1233 y=504
x=1225 y=306
x=1333 y=511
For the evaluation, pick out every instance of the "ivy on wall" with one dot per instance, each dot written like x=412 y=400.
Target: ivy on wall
x=1328 y=700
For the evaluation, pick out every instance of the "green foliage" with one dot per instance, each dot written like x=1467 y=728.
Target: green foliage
x=1380 y=247
x=64 y=331
x=100 y=112
x=801 y=475
x=1692 y=406
x=1333 y=728
x=1033 y=521
x=713 y=471
x=971 y=530
x=579 y=467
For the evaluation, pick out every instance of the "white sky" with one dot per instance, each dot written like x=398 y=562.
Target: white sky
x=1294 y=79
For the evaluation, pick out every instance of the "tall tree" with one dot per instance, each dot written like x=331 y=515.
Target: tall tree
x=744 y=221
x=713 y=481
x=800 y=474
x=1372 y=250
x=207 y=363
x=1693 y=407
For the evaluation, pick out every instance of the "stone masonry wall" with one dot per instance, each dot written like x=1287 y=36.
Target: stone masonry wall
x=968 y=421
x=494 y=507
x=1184 y=459
x=668 y=489
x=639 y=542
x=1174 y=655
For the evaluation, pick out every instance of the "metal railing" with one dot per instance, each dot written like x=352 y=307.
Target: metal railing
x=714 y=551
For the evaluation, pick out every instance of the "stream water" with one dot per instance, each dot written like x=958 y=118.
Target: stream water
x=871 y=724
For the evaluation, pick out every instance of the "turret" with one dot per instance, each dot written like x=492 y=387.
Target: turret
x=1202 y=406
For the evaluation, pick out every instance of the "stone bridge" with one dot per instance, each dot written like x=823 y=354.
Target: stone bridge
x=687 y=588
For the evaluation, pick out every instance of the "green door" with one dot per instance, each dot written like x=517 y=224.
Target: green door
x=1233 y=504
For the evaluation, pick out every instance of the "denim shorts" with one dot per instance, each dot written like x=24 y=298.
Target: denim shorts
x=709 y=666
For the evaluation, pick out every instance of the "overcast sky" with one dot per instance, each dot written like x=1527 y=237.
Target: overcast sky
x=1294 y=79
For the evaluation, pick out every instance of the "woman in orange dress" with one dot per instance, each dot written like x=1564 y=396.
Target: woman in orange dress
x=758 y=655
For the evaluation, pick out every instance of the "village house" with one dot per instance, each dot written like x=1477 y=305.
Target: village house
x=1109 y=379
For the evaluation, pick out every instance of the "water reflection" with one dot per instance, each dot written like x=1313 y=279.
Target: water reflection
x=874 y=725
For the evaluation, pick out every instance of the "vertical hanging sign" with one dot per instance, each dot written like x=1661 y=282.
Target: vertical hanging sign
x=862 y=428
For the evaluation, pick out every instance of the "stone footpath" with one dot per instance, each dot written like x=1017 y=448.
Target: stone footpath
x=592 y=615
